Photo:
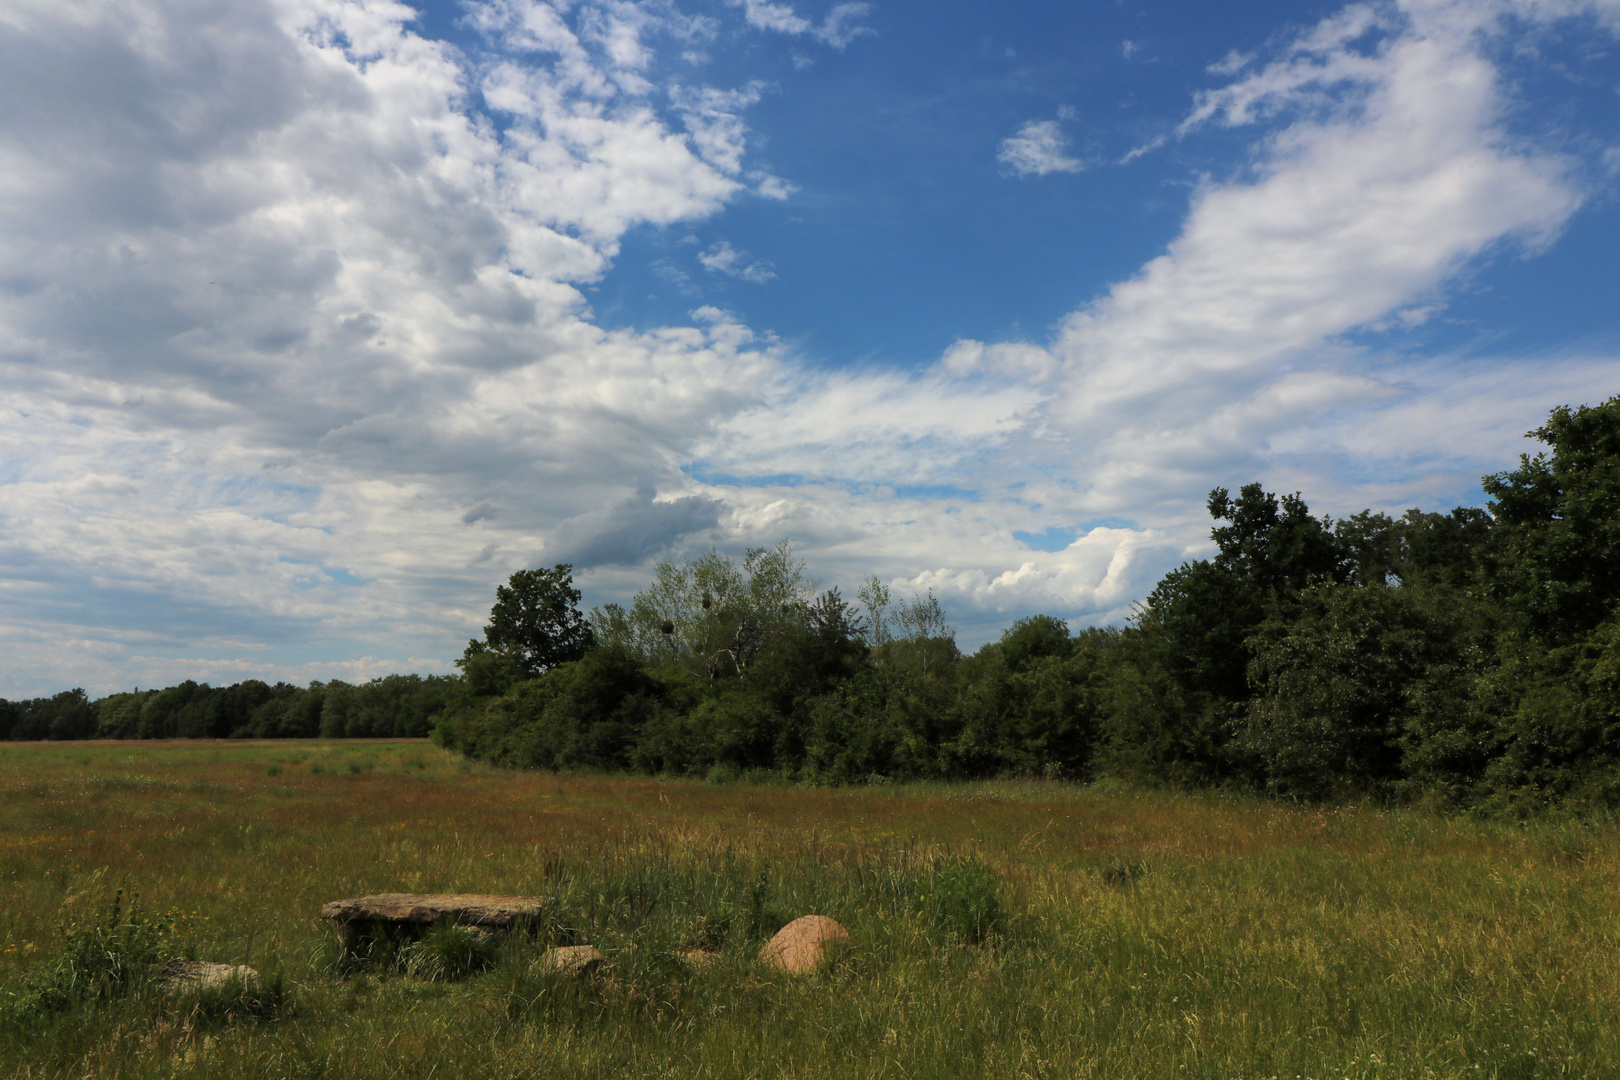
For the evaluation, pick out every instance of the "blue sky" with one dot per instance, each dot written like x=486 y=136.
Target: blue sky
x=318 y=317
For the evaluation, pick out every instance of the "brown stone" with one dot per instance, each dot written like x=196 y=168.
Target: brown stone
x=362 y=916
x=183 y=975
x=575 y=960
x=803 y=944
x=698 y=958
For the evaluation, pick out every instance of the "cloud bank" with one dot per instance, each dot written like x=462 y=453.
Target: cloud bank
x=297 y=361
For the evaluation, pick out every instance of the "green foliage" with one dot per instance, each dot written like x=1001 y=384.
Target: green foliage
x=68 y=715
x=99 y=960
x=962 y=898
x=1555 y=556
x=709 y=616
x=536 y=623
x=447 y=952
x=390 y=707
x=1338 y=673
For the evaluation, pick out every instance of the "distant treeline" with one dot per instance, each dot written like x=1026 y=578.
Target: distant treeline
x=1470 y=658
x=395 y=706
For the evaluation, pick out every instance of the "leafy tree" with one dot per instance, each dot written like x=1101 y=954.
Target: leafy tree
x=1271 y=544
x=1441 y=549
x=1555 y=556
x=1032 y=639
x=535 y=623
x=1338 y=674
x=710 y=616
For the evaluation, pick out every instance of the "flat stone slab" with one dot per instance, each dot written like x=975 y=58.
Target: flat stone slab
x=185 y=975
x=353 y=919
x=575 y=960
x=468 y=909
x=803 y=944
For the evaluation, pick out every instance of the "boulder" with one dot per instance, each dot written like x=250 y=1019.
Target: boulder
x=361 y=917
x=803 y=944
x=183 y=975
x=575 y=960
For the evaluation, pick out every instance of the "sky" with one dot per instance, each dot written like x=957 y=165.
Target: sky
x=319 y=318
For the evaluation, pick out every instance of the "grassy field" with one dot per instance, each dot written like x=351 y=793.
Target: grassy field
x=1140 y=934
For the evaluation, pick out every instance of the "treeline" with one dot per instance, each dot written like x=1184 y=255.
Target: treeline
x=395 y=706
x=1471 y=657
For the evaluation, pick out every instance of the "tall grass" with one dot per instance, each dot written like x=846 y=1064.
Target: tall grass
x=1002 y=929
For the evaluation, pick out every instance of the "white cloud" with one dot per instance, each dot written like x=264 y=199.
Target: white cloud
x=269 y=339
x=840 y=26
x=722 y=258
x=1230 y=64
x=1038 y=148
x=1225 y=359
x=1361 y=206
x=296 y=361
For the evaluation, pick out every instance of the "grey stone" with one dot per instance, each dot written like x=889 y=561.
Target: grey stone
x=361 y=917
x=183 y=975
x=575 y=960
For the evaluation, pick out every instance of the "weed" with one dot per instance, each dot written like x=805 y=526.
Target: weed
x=1121 y=873
x=235 y=999
x=963 y=900
x=98 y=961
x=448 y=953
x=723 y=772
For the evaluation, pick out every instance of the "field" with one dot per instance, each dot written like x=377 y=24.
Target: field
x=1140 y=934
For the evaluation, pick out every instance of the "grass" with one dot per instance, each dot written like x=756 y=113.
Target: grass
x=1003 y=929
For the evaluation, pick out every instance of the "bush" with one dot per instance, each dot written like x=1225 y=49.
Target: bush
x=110 y=958
x=963 y=900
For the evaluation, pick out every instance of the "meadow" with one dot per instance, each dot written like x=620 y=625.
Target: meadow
x=1136 y=934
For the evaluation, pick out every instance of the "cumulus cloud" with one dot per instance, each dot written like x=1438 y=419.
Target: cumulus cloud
x=297 y=362
x=276 y=300
x=1038 y=148
x=630 y=532
x=1365 y=203
x=1383 y=168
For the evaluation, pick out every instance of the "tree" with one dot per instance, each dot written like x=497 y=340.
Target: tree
x=1555 y=556
x=535 y=623
x=710 y=616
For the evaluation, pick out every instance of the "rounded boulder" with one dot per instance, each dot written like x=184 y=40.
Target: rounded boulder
x=804 y=944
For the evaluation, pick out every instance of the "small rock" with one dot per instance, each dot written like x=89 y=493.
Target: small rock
x=202 y=975
x=698 y=958
x=803 y=944
x=575 y=960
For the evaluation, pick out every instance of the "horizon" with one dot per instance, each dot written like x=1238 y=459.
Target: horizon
x=319 y=320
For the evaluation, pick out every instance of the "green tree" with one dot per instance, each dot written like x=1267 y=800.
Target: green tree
x=1555 y=556
x=710 y=616
x=536 y=622
x=1343 y=676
